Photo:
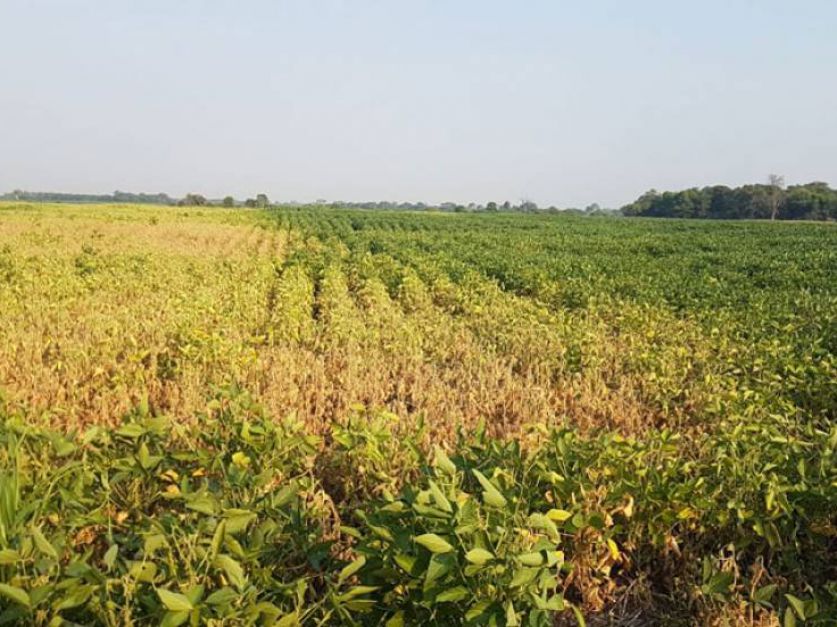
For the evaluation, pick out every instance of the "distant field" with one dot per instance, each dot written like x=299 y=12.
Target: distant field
x=515 y=319
x=684 y=370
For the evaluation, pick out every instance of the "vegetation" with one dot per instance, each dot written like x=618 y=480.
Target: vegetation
x=115 y=197
x=813 y=201
x=316 y=416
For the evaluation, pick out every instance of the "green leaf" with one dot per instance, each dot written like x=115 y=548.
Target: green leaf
x=765 y=593
x=62 y=446
x=351 y=532
x=351 y=569
x=491 y=495
x=439 y=497
x=790 y=618
x=439 y=566
x=218 y=538
x=146 y=460
x=397 y=620
x=355 y=591
x=153 y=542
x=444 y=463
x=232 y=569
x=222 y=597
x=542 y=522
x=555 y=603
x=9 y=556
x=468 y=517
x=381 y=532
x=579 y=617
x=478 y=610
x=286 y=495
x=719 y=583
x=42 y=543
x=288 y=620
x=18 y=595
x=797 y=604
x=143 y=571
x=238 y=520
x=479 y=556
x=174 y=619
x=511 y=616
x=531 y=559
x=195 y=593
x=174 y=601
x=203 y=503
x=110 y=556
x=77 y=596
x=452 y=595
x=434 y=543
x=524 y=576
x=408 y=564
x=131 y=430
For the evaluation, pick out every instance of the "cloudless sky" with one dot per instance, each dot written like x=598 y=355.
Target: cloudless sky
x=560 y=102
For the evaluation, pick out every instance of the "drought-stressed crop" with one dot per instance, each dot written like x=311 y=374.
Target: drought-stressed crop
x=313 y=416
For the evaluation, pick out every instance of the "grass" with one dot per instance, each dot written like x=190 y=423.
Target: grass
x=638 y=418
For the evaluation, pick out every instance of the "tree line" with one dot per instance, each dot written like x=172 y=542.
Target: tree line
x=769 y=201
x=189 y=200
x=116 y=197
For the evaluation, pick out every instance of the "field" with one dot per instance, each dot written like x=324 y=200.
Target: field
x=313 y=416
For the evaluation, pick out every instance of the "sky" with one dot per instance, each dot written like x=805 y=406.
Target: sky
x=561 y=103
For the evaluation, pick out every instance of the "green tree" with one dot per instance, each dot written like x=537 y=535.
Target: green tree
x=228 y=201
x=193 y=200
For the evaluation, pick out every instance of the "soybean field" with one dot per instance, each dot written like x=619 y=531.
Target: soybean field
x=314 y=416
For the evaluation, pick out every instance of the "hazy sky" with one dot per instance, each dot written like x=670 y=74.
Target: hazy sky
x=563 y=103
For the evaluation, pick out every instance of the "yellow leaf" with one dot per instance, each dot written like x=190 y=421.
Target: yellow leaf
x=241 y=460
x=614 y=549
x=686 y=512
x=628 y=509
x=169 y=475
x=558 y=515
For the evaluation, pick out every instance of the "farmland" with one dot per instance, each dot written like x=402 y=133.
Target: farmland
x=318 y=416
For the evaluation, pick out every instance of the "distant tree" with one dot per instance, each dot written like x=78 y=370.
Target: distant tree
x=753 y=202
x=592 y=208
x=721 y=202
x=228 y=201
x=770 y=201
x=193 y=200
x=813 y=201
x=777 y=186
x=251 y=203
x=528 y=205
x=506 y=206
x=262 y=201
x=492 y=206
